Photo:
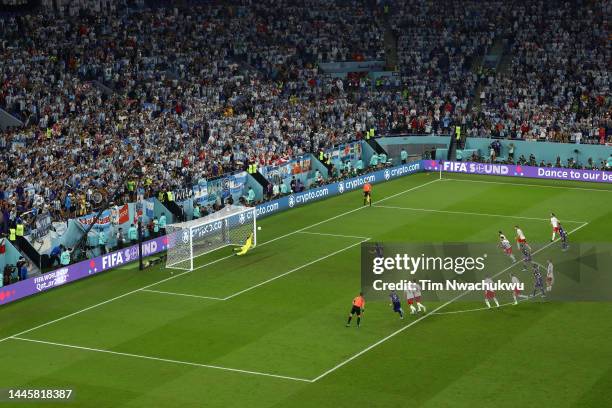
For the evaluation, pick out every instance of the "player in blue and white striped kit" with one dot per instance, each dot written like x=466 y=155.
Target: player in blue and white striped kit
x=538 y=281
x=396 y=302
x=526 y=251
x=563 y=235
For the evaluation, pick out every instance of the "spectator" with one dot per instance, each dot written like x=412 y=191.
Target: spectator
x=120 y=238
x=54 y=255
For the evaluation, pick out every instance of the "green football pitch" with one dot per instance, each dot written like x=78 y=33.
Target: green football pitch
x=268 y=329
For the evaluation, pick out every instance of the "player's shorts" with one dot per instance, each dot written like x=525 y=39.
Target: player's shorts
x=355 y=310
x=397 y=306
x=367 y=193
x=517 y=292
x=410 y=301
x=508 y=251
x=555 y=229
x=549 y=281
x=489 y=294
x=417 y=299
x=521 y=240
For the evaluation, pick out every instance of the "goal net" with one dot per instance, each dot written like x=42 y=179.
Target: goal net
x=230 y=226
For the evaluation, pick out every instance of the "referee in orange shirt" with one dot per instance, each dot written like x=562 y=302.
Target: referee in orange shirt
x=357 y=309
x=367 y=194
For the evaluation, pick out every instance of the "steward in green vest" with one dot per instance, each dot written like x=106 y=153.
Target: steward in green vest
x=156 y=226
x=65 y=257
x=162 y=224
x=133 y=234
x=12 y=234
x=458 y=135
x=19 y=230
x=404 y=156
x=102 y=242
x=370 y=133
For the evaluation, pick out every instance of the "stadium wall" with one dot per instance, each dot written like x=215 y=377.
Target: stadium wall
x=415 y=146
x=546 y=151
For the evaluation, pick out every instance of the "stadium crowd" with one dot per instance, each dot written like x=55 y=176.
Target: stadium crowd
x=99 y=91
x=557 y=87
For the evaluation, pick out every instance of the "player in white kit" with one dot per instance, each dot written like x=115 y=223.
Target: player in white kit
x=490 y=293
x=520 y=237
x=416 y=292
x=410 y=299
x=554 y=222
x=550 y=276
x=516 y=292
x=506 y=246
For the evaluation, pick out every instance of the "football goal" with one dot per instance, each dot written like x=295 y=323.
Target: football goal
x=188 y=240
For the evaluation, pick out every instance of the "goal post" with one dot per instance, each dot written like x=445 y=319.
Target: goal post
x=230 y=226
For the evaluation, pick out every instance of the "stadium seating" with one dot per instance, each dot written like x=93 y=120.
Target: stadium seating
x=198 y=91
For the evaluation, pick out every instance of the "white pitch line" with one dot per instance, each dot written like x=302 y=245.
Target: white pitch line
x=529 y=185
x=202 y=266
x=294 y=270
x=332 y=235
x=166 y=360
x=472 y=213
x=433 y=312
x=181 y=294
x=485 y=308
